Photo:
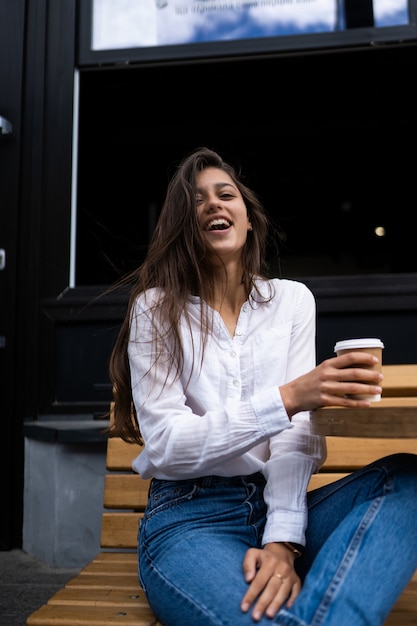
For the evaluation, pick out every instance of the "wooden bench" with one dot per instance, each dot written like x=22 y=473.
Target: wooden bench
x=107 y=592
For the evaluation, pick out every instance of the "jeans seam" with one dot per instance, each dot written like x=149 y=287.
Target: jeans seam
x=284 y=618
x=346 y=563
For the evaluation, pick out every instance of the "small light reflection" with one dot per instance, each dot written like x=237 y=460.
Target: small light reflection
x=379 y=231
x=346 y=206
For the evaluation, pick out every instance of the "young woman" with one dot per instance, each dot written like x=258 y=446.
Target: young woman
x=219 y=361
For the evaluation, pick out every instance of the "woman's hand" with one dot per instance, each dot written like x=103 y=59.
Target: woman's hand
x=273 y=580
x=329 y=383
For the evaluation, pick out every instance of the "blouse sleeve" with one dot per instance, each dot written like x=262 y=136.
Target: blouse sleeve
x=296 y=453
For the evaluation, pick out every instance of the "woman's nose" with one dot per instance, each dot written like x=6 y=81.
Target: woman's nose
x=212 y=203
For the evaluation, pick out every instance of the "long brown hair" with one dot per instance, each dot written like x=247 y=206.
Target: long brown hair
x=179 y=262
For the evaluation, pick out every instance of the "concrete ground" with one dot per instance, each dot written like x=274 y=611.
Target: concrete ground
x=26 y=584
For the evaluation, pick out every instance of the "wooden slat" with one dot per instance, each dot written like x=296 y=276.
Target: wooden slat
x=121 y=454
x=119 y=530
x=122 y=582
x=401 y=619
x=399 y=380
x=99 y=597
x=110 y=568
x=351 y=453
x=125 y=491
x=390 y=418
x=70 y=615
x=116 y=557
x=324 y=478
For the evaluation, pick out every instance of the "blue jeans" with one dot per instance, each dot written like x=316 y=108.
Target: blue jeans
x=361 y=547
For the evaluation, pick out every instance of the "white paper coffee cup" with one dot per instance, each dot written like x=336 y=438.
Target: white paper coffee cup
x=371 y=345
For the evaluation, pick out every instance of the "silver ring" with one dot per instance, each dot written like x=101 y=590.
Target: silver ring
x=280 y=576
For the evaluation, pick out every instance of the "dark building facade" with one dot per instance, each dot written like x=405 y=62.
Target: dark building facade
x=321 y=124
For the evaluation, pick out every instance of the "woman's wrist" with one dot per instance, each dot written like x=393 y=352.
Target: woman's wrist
x=288 y=400
x=295 y=548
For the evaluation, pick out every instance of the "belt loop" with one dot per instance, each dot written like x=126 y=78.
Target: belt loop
x=206 y=481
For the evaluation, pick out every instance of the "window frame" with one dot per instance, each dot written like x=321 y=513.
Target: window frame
x=348 y=38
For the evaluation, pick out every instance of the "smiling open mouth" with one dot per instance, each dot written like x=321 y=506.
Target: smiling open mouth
x=218 y=224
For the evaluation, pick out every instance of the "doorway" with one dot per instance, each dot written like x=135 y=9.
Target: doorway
x=12 y=20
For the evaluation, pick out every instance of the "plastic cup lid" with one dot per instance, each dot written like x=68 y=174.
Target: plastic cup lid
x=351 y=344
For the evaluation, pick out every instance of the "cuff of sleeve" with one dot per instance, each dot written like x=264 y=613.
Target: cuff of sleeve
x=270 y=412
x=285 y=527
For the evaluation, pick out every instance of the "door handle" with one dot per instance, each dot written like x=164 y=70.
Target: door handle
x=5 y=126
x=2 y=259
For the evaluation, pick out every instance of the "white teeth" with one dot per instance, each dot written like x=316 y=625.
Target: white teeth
x=219 y=222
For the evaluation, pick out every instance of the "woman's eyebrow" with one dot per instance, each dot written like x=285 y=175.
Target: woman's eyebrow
x=217 y=186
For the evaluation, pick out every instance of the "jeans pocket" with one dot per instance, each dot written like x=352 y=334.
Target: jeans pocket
x=165 y=494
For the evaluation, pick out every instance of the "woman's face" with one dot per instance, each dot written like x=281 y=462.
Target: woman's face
x=222 y=213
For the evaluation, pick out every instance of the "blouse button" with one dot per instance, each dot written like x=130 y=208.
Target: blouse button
x=233 y=354
x=236 y=383
x=238 y=332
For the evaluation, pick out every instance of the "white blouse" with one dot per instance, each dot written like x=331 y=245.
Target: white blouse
x=224 y=415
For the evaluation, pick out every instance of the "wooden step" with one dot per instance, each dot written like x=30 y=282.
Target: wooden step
x=116 y=557
x=105 y=596
x=98 y=581
x=73 y=615
x=110 y=568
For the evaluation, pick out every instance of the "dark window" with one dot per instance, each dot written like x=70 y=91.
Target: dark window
x=324 y=139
